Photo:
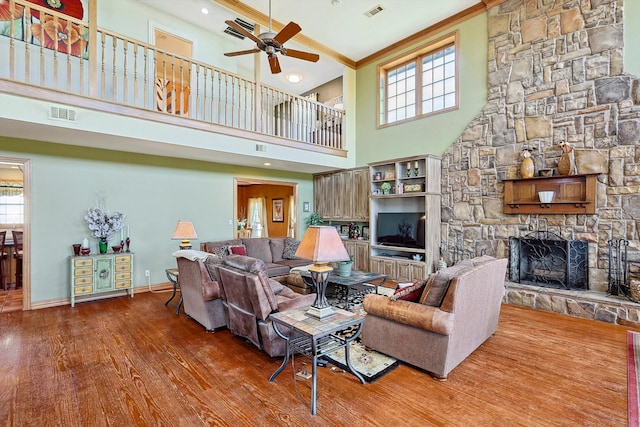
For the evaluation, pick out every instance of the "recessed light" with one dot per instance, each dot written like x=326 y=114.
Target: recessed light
x=267 y=164
x=204 y=11
x=294 y=78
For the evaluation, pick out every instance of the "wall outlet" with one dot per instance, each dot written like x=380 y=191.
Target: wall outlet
x=147 y=273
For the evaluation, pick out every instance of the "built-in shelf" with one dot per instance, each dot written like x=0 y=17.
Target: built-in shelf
x=573 y=194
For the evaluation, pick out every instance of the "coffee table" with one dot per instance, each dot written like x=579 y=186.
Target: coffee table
x=314 y=338
x=357 y=277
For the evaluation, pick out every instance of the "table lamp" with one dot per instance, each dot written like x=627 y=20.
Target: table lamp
x=322 y=245
x=184 y=231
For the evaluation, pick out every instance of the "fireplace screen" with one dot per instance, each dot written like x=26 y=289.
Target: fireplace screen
x=548 y=260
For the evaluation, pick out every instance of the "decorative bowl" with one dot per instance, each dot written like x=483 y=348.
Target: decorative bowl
x=546 y=196
x=116 y=249
x=85 y=251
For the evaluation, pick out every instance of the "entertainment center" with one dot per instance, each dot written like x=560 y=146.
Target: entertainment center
x=404 y=216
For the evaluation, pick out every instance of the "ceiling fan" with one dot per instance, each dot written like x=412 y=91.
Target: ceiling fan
x=272 y=43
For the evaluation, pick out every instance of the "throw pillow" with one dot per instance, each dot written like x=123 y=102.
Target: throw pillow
x=409 y=293
x=238 y=250
x=290 y=248
x=223 y=251
x=210 y=264
x=438 y=284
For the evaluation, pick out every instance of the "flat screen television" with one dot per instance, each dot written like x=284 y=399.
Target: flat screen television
x=402 y=229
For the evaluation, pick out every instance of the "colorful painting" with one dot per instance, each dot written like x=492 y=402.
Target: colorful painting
x=56 y=34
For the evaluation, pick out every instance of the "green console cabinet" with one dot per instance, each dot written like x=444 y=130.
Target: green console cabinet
x=95 y=274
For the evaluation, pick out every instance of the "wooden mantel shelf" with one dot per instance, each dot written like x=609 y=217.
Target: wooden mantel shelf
x=574 y=194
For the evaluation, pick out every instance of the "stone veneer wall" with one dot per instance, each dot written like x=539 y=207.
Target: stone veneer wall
x=555 y=74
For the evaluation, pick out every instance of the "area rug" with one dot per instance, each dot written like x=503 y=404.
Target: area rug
x=371 y=364
x=633 y=375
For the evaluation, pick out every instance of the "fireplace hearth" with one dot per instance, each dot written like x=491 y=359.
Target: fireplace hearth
x=547 y=260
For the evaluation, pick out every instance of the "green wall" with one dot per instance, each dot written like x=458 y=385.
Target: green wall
x=433 y=134
x=155 y=192
x=631 y=37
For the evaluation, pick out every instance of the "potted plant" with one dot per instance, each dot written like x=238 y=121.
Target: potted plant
x=386 y=188
x=344 y=267
x=314 y=219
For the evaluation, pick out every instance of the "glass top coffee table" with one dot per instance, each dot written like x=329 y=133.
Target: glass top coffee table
x=350 y=283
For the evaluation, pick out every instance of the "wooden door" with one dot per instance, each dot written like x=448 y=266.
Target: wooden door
x=360 y=194
x=172 y=73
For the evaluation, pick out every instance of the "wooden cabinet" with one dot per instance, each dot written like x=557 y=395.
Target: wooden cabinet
x=359 y=251
x=573 y=194
x=405 y=186
x=94 y=274
x=342 y=195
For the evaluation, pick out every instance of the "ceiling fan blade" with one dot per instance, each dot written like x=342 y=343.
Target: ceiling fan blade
x=242 y=52
x=307 y=56
x=242 y=31
x=274 y=64
x=287 y=32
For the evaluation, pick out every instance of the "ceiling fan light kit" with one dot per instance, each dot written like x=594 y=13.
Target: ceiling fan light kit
x=272 y=43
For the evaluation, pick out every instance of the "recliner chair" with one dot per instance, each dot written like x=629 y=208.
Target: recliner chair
x=250 y=297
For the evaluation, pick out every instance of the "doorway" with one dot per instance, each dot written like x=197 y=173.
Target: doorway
x=15 y=201
x=280 y=208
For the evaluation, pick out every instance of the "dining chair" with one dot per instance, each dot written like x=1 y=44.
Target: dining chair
x=3 y=261
x=17 y=254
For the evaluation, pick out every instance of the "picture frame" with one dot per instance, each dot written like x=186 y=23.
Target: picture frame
x=306 y=207
x=389 y=174
x=277 y=210
x=344 y=229
x=365 y=232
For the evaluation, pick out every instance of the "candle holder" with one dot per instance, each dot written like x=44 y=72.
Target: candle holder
x=408 y=172
x=128 y=242
x=122 y=245
x=416 y=171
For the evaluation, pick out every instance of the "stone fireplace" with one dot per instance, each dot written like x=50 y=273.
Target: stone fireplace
x=556 y=74
x=549 y=261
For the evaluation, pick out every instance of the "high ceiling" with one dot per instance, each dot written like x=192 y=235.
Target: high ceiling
x=339 y=25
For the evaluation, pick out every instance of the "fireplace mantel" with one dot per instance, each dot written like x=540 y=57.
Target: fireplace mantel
x=574 y=194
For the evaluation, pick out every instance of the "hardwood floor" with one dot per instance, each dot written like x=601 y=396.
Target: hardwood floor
x=10 y=300
x=133 y=362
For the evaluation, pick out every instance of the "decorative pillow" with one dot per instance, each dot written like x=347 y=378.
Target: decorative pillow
x=210 y=264
x=223 y=251
x=438 y=284
x=258 y=248
x=409 y=293
x=290 y=248
x=277 y=247
x=238 y=250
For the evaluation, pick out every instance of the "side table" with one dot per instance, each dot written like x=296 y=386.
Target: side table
x=314 y=338
x=173 y=276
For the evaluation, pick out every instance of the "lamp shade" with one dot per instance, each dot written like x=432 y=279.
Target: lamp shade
x=184 y=231
x=322 y=244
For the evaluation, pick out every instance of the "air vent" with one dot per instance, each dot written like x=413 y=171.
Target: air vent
x=61 y=113
x=376 y=10
x=244 y=24
x=261 y=147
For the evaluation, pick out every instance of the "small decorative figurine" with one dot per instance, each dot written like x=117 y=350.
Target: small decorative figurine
x=566 y=164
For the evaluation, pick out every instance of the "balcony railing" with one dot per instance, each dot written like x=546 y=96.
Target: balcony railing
x=54 y=51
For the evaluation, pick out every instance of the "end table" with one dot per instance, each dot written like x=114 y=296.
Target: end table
x=173 y=276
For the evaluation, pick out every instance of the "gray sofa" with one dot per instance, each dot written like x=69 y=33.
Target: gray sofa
x=277 y=253
x=457 y=311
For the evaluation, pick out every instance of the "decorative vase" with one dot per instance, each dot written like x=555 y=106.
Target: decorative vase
x=527 y=168
x=566 y=164
x=103 y=245
x=344 y=268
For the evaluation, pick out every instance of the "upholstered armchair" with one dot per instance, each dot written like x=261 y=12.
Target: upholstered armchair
x=457 y=310
x=250 y=297
x=201 y=293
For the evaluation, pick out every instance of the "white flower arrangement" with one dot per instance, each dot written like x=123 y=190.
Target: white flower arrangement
x=103 y=224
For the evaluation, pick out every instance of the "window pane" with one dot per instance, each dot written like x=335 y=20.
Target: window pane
x=450 y=85
x=411 y=70
x=427 y=77
x=392 y=77
x=411 y=110
x=450 y=100
x=392 y=116
x=392 y=103
x=438 y=58
x=411 y=84
x=427 y=64
x=438 y=89
x=450 y=69
x=402 y=101
x=426 y=107
x=393 y=89
x=402 y=86
x=438 y=73
x=427 y=92
x=438 y=103
x=401 y=115
x=450 y=54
